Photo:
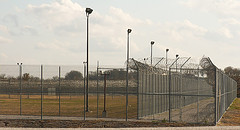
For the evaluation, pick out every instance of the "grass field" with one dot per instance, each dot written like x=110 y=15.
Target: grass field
x=69 y=106
x=232 y=115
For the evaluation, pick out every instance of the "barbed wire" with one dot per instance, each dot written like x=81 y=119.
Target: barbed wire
x=161 y=64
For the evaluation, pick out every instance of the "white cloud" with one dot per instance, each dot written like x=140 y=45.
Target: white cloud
x=29 y=30
x=195 y=28
x=225 y=32
x=56 y=45
x=3 y=56
x=11 y=19
x=119 y=16
x=63 y=25
x=226 y=13
x=5 y=40
x=4 y=29
x=230 y=21
x=56 y=13
x=66 y=18
x=223 y=8
x=181 y=31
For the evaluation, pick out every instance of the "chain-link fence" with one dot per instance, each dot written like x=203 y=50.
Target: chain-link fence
x=59 y=91
x=169 y=90
x=183 y=92
x=226 y=92
x=41 y=90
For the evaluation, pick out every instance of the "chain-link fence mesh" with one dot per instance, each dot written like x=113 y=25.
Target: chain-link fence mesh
x=226 y=92
x=183 y=91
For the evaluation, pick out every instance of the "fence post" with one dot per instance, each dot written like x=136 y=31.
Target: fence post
x=223 y=84
x=165 y=87
x=41 y=92
x=149 y=96
x=216 y=108
x=20 y=88
x=138 y=93
x=169 y=93
x=198 y=96
x=143 y=95
x=152 y=93
x=97 y=87
x=181 y=94
x=59 y=85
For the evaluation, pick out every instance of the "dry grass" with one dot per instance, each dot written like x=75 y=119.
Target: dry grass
x=70 y=105
x=232 y=115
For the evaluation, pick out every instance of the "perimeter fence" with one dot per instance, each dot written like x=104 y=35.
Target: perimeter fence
x=183 y=92
x=168 y=90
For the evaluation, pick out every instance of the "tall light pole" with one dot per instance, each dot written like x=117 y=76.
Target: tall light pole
x=166 y=59
x=176 y=61
x=20 y=85
x=88 y=12
x=152 y=42
x=128 y=32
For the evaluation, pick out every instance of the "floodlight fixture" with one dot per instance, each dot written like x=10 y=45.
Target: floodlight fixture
x=152 y=42
x=88 y=11
x=129 y=31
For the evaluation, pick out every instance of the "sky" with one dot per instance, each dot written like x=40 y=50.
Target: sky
x=53 y=32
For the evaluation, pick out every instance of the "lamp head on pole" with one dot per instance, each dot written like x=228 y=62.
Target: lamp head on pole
x=177 y=56
x=88 y=11
x=167 y=50
x=152 y=42
x=129 y=30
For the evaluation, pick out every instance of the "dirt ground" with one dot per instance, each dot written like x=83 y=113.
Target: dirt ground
x=87 y=124
x=232 y=115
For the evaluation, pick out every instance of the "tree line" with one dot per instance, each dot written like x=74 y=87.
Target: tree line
x=234 y=73
x=115 y=74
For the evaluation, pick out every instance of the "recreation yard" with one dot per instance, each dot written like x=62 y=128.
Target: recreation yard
x=71 y=106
